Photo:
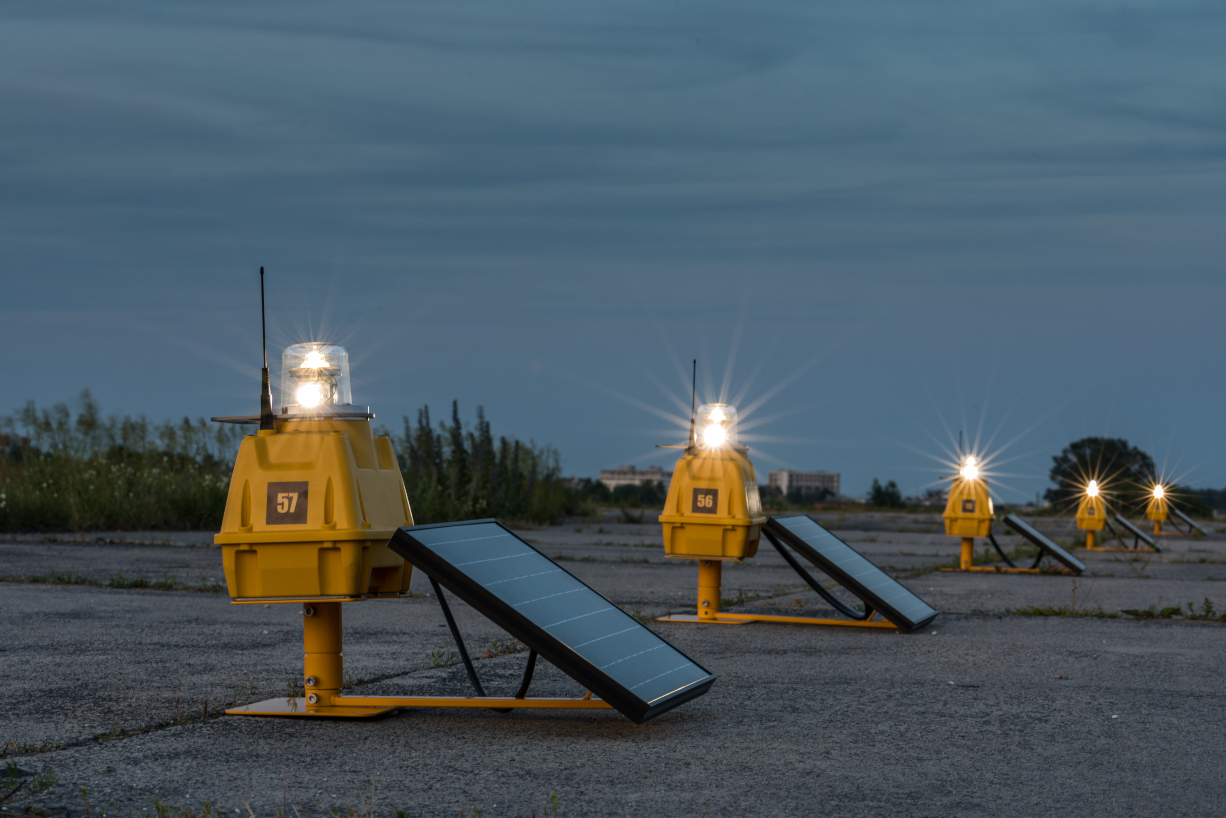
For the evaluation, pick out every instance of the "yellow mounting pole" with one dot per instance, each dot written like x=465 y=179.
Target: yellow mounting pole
x=1089 y=540
x=968 y=553
x=321 y=639
x=710 y=579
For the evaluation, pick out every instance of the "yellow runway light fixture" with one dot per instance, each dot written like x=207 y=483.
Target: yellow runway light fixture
x=713 y=514
x=969 y=511
x=1157 y=509
x=314 y=502
x=1092 y=515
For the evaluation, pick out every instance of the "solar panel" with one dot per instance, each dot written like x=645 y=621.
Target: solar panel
x=1137 y=533
x=1041 y=540
x=549 y=610
x=1190 y=522
x=850 y=569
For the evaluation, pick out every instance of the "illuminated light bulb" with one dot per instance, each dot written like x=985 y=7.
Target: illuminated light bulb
x=718 y=414
x=310 y=394
x=714 y=435
x=314 y=360
x=970 y=471
x=1158 y=492
x=1092 y=489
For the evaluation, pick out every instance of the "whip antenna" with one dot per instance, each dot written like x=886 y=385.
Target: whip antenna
x=266 y=417
x=693 y=392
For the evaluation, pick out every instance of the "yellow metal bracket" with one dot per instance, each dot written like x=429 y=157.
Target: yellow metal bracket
x=710 y=580
x=323 y=671
x=364 y=707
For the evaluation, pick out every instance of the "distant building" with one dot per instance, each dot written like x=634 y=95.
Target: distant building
x=630 y=476
x=806 y=482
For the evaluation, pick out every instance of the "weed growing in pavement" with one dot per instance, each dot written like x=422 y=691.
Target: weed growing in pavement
x=499 y=648
x=633 y=559
x=1061 y=610
x=442 y=658
x=293 y=688
x=245 y=689
x=23 y=748
x=740 y=598
x=15 y=789
x=637 y=615
x=1207 y=613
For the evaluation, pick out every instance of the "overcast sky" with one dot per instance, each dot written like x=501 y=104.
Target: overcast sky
x=894 y=220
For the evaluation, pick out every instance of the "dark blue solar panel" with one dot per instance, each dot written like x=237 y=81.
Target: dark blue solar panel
x=1041 y=540
x=1192 y=523
x=548 y=609
x=1136 y=532
x=851 y=570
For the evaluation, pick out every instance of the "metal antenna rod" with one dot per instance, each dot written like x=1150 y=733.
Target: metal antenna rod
x=263 y=329
x=267 y=422
x=693 y=393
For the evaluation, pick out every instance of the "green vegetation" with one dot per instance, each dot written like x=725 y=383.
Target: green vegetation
x=1207 y=613
x=75 y=470
x=887 y=496
x=1125 y=472
x=651 y=494
x=1062 y=610
x=18 y=786
x=442 y=658
x=121 y=582
x=61 y=471
x=454 y=473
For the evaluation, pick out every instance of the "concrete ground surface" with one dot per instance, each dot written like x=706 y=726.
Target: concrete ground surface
x=984 y=712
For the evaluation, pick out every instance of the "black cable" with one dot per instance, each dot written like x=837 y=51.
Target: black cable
x=850 y=613
x=1001 y=551
x=523 y=688
x=455 y=632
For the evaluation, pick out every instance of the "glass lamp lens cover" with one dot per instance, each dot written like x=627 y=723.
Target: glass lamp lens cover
x=716 y=425
x=1092 y=489
x=1158 y=492
x=314 y=375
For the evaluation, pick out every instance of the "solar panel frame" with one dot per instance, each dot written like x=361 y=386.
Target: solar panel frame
x=1136 y=532
x=840 y=575
x=1192 y=523
x=548 y=646
x=1044 y=543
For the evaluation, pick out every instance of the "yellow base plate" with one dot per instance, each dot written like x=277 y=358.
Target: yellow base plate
x=298 y=708
x=364 y=707
x=695 y=618
x=995 y=570
x=741 y=619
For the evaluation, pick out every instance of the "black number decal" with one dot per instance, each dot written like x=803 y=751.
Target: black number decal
x=705 y=501
x=287 y=503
